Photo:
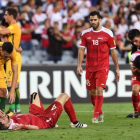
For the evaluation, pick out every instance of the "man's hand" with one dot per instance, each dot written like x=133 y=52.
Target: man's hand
x=79 y=71
x=117 y=75
x=17 y=127
x=11 y=97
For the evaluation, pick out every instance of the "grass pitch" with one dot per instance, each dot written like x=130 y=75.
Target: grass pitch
x=116 y=125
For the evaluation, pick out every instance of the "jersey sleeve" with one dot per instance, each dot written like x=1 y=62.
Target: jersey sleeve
x=111 y=41
x=14 y=58
x=12 y=29
x=83 y=41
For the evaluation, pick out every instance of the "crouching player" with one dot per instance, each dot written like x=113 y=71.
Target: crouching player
x=135 y=68
x=40 y=118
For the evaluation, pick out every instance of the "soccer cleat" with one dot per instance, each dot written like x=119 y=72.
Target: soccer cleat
x=130 y=115
x=9 y=113
x=56 y=126
x=78 y=125
x=94 y=120
x=136 y=115
x=101 y=118
x=19 y=112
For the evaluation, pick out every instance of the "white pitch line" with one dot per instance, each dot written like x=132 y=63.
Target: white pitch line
x=107 y=111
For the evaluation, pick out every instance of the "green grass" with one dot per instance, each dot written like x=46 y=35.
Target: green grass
x=116 y=125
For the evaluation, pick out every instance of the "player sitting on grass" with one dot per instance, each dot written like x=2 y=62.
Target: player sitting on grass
x=135 y=68
x=40 y=118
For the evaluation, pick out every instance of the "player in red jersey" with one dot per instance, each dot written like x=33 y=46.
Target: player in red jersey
x=40 y=118
x=134 y=36
x=97 y=40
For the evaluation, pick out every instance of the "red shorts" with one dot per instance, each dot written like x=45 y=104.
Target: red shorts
x=49 y=115
x=135 y=80
x=96 y=79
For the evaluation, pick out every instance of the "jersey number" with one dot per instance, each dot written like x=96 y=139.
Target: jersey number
x=95 y=42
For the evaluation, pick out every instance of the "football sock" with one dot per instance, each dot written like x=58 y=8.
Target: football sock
x=12 y=106
x=92 y=99
x=98 y=106
x=17 y=100
x=70 y=111
x=135 y=101
x=2 y=103
x=139 y=108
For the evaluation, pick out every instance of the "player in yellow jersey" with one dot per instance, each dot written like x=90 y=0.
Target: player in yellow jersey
x=7 y=52
x=13 y=30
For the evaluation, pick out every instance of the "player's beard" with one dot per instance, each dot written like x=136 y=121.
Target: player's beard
x=94 y=28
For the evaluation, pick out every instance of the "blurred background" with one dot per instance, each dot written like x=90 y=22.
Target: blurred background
x=50 y=39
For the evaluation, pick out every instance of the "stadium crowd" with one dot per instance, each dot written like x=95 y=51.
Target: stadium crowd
x=51 y=29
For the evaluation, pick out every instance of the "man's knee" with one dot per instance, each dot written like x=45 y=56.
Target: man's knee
x=99 y=91
x=135 y=91
x=92 y=92
x=3 y=92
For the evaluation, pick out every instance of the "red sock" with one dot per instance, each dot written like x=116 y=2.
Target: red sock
x=92 y=99
x=70 y=110
x=98 y=106
x=139 y=108
x=135 y=102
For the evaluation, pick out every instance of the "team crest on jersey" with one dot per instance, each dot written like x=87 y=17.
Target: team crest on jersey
x=88 y=37
x=100 y=38
x=10 y=27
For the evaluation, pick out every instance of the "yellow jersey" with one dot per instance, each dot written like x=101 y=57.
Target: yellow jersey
x=15 y=35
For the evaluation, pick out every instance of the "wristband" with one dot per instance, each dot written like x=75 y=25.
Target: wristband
x=23 y=127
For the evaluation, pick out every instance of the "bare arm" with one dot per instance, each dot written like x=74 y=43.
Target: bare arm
x=134 y=71
x=18 y=49
x=11 y=94
x=115 y=60
x=5 y=31
x=80 y=60
x=27 y=127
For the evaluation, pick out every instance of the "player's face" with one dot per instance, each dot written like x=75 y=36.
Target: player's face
x=6 y=56
x=94 y=21
x=136 y=41
x=7 y=17
x=4 y=119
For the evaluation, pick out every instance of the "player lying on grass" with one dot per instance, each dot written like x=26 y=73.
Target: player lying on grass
x=40 y=118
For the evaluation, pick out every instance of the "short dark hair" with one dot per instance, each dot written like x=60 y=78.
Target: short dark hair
x=133 y=33
x=2 y=126
x=95 y=13
x=137 y=62
x=12 y=11
x=8 y=47
x=4 y=23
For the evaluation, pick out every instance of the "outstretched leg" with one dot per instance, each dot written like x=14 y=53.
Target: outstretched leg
x=65 y=100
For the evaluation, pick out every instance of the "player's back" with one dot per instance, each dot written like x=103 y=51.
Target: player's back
x=15 y=34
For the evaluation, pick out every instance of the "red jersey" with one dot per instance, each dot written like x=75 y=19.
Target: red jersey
x=30 y=119
x=133 y=56
x=98 y=44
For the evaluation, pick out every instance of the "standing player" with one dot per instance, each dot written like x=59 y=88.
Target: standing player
x=7 y=53
x=97 y=40
x=14 y=32
x=134 y=36
x=40 y=118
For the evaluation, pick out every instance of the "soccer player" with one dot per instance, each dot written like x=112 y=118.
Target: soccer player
x=134 y=36
x=7 y=52
x=97 y=40
x=14 y=34
x=40 y=118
